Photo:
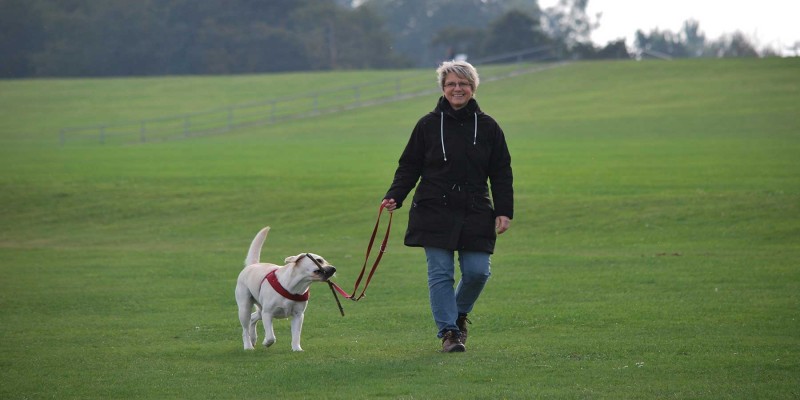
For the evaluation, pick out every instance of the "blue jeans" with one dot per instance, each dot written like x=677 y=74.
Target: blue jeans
x=448 y=302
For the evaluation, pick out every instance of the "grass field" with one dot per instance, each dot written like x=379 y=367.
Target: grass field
x=654 y=252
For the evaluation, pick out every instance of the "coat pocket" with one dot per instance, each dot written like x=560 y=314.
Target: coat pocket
x=482 y=204
x=480 y=221
x=429 y=213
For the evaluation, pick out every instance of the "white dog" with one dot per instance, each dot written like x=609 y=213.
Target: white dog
x=276 y=291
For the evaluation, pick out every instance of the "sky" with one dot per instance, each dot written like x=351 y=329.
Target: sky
x=772 y=23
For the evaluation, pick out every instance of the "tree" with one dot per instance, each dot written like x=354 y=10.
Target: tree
x=568 y=24
x=415 y=24
x=22 y=33
x=457 y=40
x=733 y=45
x=614 y=50
x=108 y=38
x=156 y=37
x=368 y=42
x=691 y=42
x=336 y=37
x=694 y=38
x=514 y=31
x=661 y=44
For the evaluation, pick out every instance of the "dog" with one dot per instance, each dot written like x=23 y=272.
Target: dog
x=276 y=291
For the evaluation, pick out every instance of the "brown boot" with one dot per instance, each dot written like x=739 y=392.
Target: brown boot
x=461 y=323
x=451 y=343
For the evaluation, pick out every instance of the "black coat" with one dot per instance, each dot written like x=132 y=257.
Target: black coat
x=453 y=161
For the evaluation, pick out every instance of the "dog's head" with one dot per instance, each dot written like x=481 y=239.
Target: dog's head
x=312 y=265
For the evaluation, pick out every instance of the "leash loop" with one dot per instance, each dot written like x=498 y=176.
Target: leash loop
x=335 y=288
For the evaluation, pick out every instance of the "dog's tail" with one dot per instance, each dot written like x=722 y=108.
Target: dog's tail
x=254 y=254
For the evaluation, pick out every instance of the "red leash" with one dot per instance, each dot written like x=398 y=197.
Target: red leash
x=364 y=267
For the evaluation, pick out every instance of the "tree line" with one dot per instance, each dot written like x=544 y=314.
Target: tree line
x=169 y=37
x=690 y=41
x=43 y=38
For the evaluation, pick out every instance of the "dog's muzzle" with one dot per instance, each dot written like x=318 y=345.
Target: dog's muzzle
x=324 y=272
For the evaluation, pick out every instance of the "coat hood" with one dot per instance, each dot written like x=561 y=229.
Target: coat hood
x=443 y=106
x=471 y=109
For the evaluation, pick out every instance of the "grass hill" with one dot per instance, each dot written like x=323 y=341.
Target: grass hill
x=653 y=253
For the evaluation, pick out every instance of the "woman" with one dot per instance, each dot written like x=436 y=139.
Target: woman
x=453 y=151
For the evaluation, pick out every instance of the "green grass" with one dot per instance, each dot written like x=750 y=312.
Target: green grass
x=653 y=254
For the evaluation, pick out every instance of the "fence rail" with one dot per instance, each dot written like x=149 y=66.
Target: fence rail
x=273 y=111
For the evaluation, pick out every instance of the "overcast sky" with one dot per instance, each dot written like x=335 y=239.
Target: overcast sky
x=773 y=23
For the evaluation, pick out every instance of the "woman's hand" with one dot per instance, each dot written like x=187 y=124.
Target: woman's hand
x=501 y=224
x=389 y=204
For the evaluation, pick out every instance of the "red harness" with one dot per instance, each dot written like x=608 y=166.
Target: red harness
x=273 y=281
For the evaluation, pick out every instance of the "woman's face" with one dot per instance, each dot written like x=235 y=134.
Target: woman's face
x=457 y=90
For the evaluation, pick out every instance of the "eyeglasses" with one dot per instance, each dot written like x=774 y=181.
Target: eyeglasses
x=451 y=85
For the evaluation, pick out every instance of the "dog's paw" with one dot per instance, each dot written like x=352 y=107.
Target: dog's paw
x=268 y=342
x=297 y=349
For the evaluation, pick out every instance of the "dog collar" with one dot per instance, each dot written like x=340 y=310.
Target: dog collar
x=273 y=281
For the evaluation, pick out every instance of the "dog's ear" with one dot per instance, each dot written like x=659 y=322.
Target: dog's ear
x=293 y=259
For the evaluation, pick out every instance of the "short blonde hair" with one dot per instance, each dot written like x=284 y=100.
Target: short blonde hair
x=461 y=68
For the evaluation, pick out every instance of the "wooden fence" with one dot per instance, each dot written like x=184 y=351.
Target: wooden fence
x=273 y=111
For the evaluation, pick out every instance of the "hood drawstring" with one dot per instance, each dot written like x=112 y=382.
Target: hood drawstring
x=475 y=138
x=441 y=132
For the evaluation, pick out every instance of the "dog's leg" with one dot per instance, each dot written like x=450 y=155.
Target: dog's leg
x=254 y=318
x=269 y=334
x=297 y=328
x=244 y=319
x=245 y=303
